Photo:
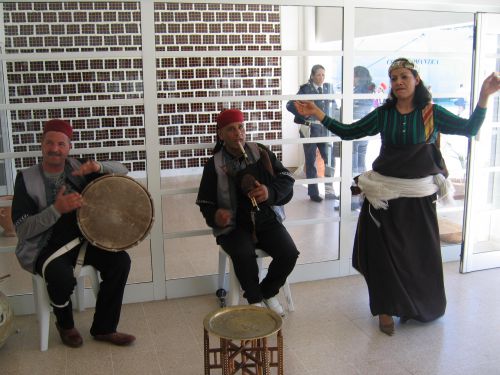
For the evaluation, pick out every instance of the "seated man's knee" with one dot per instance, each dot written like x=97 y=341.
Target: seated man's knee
x=60 y=279
x=123 y=261
x=243 y=258
x=58 y=272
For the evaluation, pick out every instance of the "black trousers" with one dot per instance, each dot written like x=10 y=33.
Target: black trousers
x=114 y=268
x=275 y=240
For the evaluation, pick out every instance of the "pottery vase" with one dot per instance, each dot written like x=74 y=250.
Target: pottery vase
x=6 y=319
x=5 y=218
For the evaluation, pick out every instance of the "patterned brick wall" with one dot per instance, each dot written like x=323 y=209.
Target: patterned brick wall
x=64 y=27
x=215 y=27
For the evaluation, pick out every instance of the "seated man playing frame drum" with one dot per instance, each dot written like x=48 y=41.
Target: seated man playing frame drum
x=241 y=193
x=46 y=197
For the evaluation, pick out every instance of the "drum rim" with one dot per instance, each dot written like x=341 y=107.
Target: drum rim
x=146 y=232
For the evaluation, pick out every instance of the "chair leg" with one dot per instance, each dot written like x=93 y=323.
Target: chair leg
x=221 y=284
x=94 y=281
x=221 y=291
x=80 y=293
x=234 y=287
x=42 y=303
x=288 y=296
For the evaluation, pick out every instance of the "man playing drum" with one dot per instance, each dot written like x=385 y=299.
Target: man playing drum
x=46 y=197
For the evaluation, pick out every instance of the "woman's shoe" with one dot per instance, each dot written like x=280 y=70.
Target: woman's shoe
x=386 y=324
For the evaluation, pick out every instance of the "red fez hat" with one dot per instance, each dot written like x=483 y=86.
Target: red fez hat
x=57 y=125
x=228 y=116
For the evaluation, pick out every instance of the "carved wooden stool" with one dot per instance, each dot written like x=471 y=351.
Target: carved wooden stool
x=243 y=333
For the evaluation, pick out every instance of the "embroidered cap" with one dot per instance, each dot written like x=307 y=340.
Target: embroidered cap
x=402 y=62
x=58 y=125
x=228 y=116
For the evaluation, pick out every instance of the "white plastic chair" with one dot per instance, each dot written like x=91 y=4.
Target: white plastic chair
x=233 y=290
x=42 y=301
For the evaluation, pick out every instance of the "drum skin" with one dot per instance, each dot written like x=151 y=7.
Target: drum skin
x=6 y=319
x=117 y=212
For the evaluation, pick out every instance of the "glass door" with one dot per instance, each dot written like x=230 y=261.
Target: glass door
x=481 y=248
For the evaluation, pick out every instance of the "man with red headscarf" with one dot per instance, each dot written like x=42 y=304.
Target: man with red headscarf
x=241 y=194
x=46 y=197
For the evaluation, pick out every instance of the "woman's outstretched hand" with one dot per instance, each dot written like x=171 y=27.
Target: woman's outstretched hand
x=490 y=86
x=308 y=108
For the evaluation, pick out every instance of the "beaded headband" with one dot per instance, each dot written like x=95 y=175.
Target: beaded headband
x=402 y=63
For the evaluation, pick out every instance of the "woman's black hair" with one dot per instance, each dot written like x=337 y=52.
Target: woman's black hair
x=365 y=83
x=314 y=69
x=218 y=145
x=421 y=98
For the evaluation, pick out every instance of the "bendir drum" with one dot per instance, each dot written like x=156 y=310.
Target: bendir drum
x=117 y=212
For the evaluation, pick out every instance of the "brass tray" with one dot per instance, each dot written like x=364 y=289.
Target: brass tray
x=243 y=322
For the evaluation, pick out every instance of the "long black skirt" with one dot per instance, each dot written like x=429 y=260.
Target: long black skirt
x=398 y=252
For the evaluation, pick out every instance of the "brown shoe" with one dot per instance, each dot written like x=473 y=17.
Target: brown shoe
x=386 y=324
x=117 y=338
x=70 y=337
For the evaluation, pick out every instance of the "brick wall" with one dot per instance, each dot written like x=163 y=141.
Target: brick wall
x=60 y=27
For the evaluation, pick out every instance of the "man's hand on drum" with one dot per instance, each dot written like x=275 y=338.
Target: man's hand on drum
x=223 y=217
x=67 y=202
x=88 y=167
x=259 y=192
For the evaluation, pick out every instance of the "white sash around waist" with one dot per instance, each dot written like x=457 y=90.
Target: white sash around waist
x=379 y=189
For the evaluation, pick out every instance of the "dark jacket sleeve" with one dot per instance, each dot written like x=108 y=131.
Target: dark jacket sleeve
x=207 y=193
x=298 y=119
x=280 y=188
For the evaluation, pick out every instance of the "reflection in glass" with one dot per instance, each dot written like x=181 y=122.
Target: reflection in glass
x=311 y=127
x=425 y=37
x=316 y=242
x=140 y=269
x=421 y=31
x=180 y=211
x=191 y=256
x=297 y=71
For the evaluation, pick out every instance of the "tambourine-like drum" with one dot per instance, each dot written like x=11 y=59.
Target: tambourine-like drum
x=117 y=212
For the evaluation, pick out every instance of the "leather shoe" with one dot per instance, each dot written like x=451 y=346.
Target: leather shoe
x=70 y=337
x=116 y=338
x=386 y=324
x=316 y=198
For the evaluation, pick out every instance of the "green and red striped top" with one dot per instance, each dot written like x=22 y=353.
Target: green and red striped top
x=395 y=128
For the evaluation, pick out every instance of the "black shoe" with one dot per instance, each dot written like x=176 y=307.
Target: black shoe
x=316 y=198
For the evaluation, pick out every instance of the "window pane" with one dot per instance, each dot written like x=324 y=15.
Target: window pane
x=440 y=43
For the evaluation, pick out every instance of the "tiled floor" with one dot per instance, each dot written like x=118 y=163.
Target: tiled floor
x=330 y=332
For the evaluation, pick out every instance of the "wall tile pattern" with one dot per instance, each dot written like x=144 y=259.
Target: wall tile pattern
x=73 y=27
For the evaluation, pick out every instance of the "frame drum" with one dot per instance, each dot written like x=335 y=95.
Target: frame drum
x=117 y=212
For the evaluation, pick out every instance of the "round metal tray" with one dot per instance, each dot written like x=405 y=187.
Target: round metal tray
x=243 y=322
